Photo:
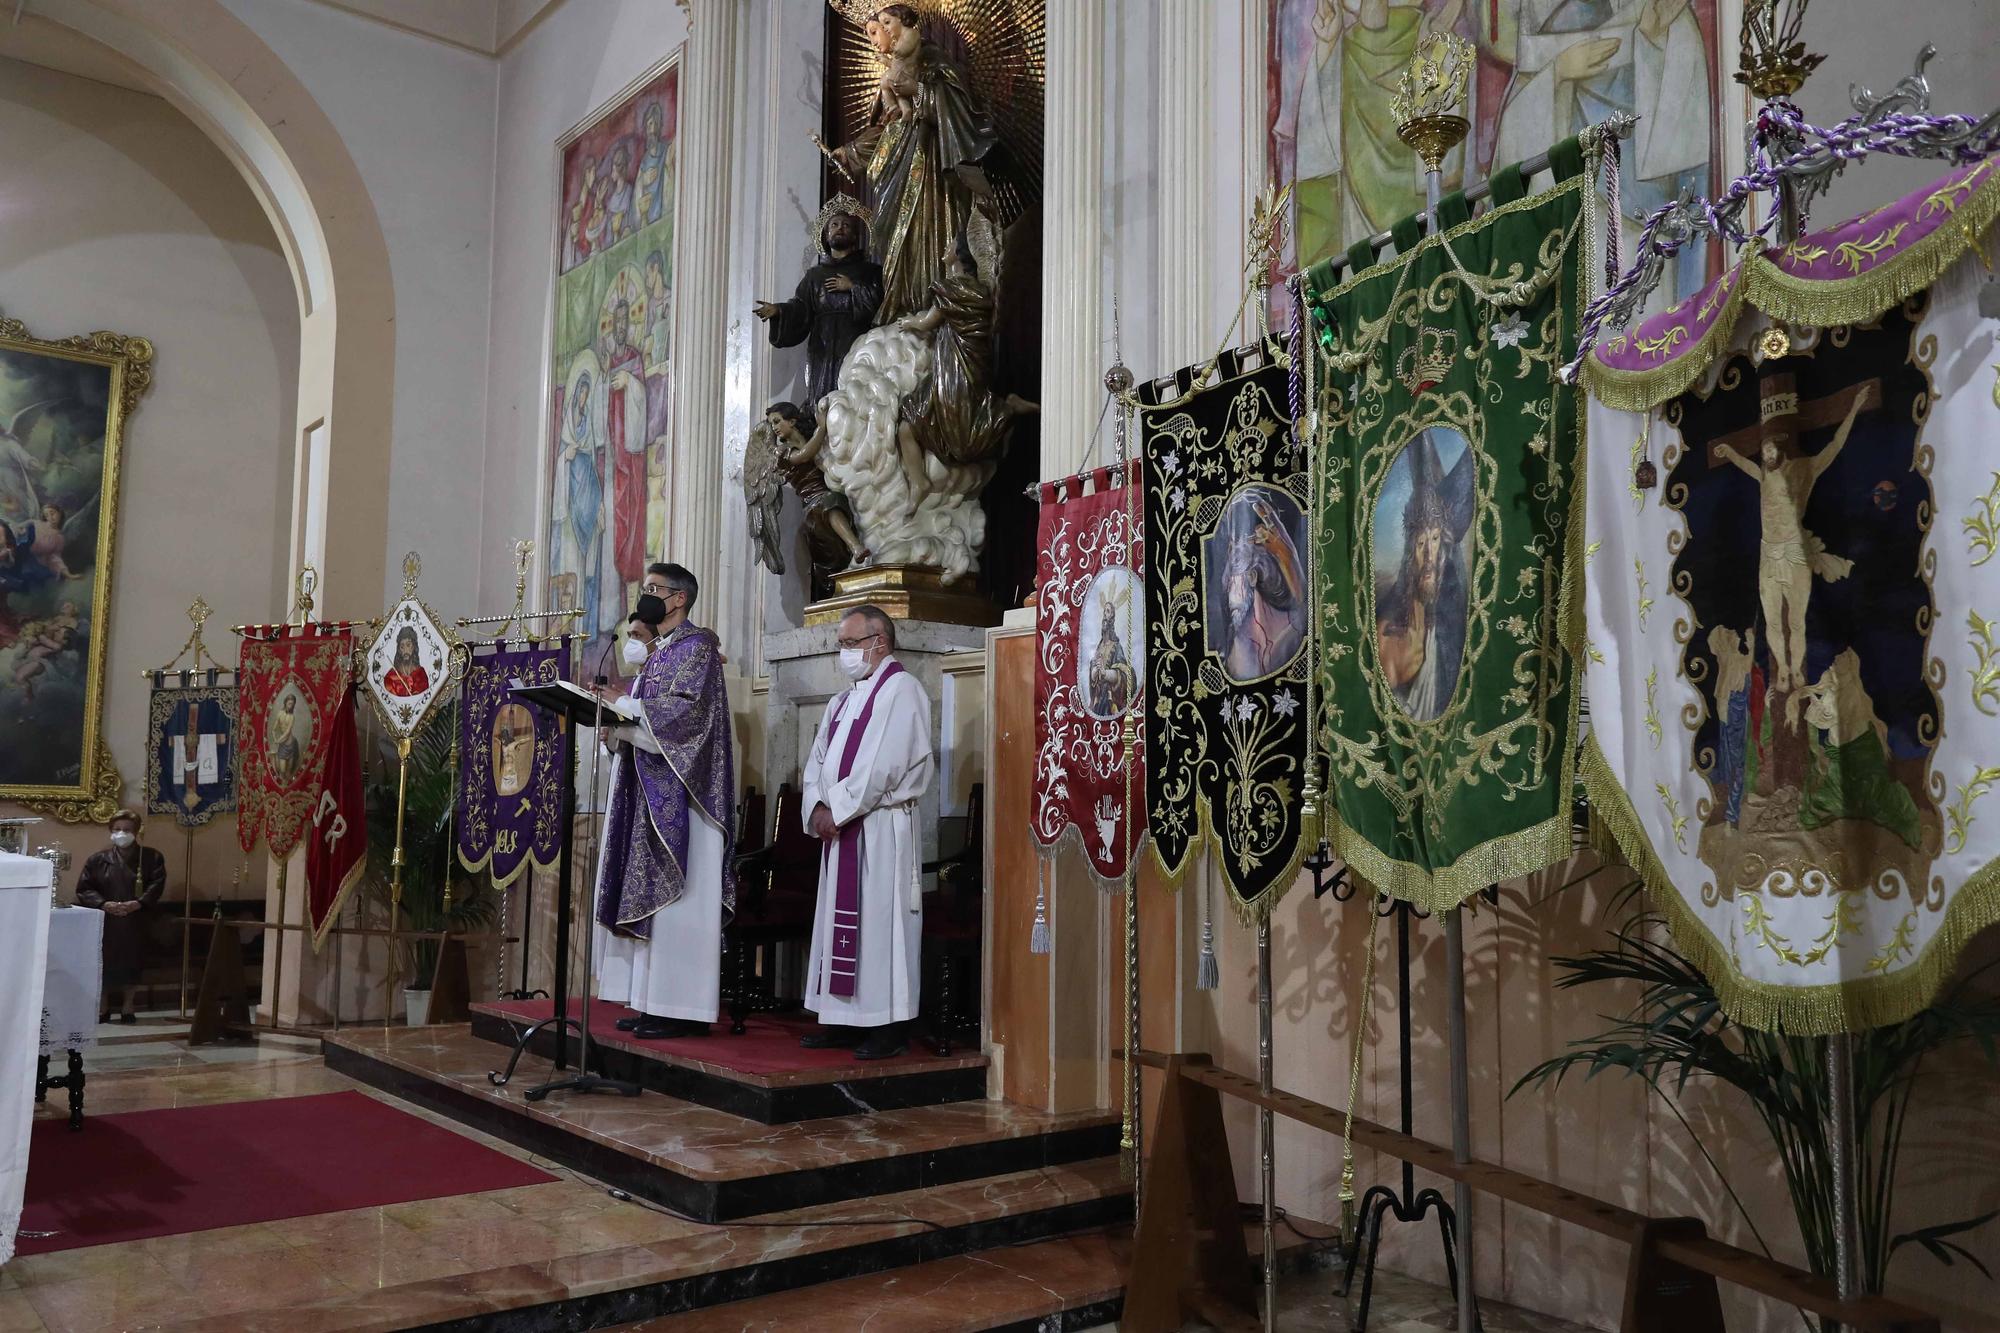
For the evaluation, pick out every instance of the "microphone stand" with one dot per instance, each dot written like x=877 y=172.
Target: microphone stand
x=584 y=1080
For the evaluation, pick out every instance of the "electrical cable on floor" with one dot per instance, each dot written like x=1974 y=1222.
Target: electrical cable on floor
x=1252 y=1213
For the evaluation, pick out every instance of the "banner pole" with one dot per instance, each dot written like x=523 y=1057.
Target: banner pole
x=1426 y=107
x=187 y=909
x=278 y=975
x=1266 y=1125
x=396 y=879
x=1842 y=1143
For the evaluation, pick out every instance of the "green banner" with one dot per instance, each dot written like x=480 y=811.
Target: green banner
x=1448 y=492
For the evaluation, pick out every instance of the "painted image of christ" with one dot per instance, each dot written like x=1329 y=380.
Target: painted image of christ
x=1418 y=539
x=513 y=748
x=406 y=677
x=1110 y=642
x=287 y=735
x=1256 y=581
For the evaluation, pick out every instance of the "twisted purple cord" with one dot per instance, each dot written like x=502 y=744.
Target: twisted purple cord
x=1849 y=141
x=1295 y=383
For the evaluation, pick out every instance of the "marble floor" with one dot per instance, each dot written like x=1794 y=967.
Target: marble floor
x=399 y=1265
x=461 y=1257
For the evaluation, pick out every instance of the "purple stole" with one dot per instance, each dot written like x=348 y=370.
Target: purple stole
x=844 y=958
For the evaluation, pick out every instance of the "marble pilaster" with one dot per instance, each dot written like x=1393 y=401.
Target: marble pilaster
x=701 y=288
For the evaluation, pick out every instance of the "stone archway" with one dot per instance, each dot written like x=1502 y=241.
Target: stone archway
x=224 y=78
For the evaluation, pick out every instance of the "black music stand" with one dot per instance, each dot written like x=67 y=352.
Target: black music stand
x=577 y=707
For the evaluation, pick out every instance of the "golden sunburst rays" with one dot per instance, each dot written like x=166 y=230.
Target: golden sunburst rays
x=1001 y=45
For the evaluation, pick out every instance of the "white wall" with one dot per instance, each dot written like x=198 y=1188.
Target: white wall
x=1865 y=46
x=417 y=116
x=117 y=213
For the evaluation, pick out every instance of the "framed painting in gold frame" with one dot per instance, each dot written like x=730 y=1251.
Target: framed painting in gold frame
x=63 y=407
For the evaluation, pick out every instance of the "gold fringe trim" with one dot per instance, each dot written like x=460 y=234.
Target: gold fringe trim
x=1866 y=295
x=1642 y=390
x=1250 y=911
x=1071 y=839
x=1804 y=301
x=348 y=882
x=1508 y=856
x=1806 y=1011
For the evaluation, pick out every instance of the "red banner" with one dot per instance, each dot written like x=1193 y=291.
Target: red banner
x=338 y=851
x=1090 y=633
x=292 y=689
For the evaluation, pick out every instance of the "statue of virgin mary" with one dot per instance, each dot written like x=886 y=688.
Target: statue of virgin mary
x=927 y=133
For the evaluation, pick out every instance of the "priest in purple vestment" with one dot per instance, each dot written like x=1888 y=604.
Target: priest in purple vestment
x=870 y=764
x=665 y=881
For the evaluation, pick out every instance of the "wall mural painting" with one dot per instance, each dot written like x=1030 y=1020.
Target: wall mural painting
x=609 y=390
x=62 y=411
x=1546 y=69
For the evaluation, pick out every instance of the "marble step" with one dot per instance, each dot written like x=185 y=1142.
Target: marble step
x=1073 y=1282
x=736 y=1074
x=692 y=1266
x=708 y=1164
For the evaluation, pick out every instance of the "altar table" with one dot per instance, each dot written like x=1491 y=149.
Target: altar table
x=24 y=936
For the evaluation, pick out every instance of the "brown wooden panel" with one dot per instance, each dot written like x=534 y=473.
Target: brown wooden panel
x=1020 y=1017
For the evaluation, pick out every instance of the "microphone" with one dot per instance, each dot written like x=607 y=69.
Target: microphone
x=603 y=657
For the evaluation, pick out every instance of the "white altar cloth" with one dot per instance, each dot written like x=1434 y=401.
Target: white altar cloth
x=24 y=936
x=75 y=985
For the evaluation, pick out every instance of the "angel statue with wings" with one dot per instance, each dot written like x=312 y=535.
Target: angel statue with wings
x=784 y=448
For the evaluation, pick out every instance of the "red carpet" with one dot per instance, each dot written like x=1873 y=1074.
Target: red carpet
x=195 y=1168
x=769 y=1044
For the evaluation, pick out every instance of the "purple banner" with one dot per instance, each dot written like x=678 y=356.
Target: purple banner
x=509 y=766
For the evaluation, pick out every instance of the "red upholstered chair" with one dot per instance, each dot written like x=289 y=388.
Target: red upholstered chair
x=953 y=924
x=777 y=888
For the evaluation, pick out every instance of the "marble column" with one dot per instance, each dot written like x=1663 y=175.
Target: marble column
x=701 y=288
x=1181 y=170
x=1072 y=983
x=1074 y=343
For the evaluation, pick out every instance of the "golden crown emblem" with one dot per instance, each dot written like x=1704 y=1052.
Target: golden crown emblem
x=1428 y=361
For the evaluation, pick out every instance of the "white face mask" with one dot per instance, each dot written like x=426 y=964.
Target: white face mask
x=123 y=839
x=635 y=652
x=854 y=662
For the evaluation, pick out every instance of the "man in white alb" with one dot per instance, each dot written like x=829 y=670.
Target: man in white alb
x=870 y=764
x=665 y=881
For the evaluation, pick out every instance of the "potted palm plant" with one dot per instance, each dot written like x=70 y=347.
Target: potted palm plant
x=1678 y=1032
x=429 y=865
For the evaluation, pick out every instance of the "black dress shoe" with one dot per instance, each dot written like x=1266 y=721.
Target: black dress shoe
x=627 y=1024
x=651 y=1028
x=884 y=1043
x=830 y=1038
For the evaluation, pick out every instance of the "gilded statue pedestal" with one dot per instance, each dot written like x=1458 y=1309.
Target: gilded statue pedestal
x=905 y=592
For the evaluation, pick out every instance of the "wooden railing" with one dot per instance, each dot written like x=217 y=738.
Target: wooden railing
x=1188 y=1257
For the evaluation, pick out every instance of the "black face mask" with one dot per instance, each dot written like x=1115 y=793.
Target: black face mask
x=651 y=609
